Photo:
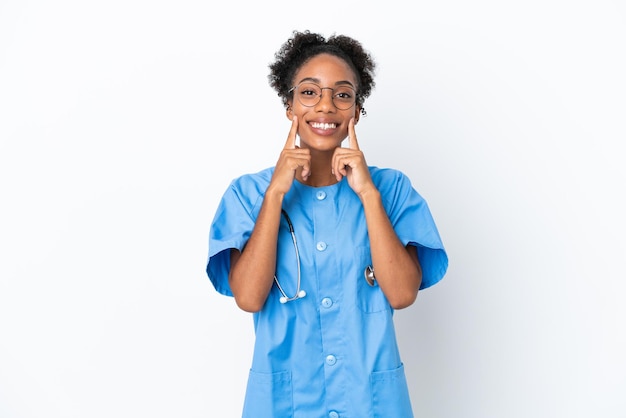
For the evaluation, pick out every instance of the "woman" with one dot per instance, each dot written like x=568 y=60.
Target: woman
x=322 y=248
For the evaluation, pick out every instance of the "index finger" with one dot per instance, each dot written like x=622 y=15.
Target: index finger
x=352 y=142
x=291 y=138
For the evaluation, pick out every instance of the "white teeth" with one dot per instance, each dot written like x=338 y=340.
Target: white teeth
x=323 y=125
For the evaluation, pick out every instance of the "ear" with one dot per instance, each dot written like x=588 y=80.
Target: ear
x=357 y=114
x=289 y=112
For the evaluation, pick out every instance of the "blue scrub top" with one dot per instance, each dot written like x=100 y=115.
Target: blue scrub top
x=332 y=353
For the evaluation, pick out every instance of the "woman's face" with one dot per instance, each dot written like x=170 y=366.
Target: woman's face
x=323 y=124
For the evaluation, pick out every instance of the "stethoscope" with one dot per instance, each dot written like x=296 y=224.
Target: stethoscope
x=300 y=293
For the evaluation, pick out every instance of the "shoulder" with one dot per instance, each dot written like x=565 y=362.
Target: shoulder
x=253 y=182
x=383 y=174
x=390 y=180
x=247 y=190
x=395 y=187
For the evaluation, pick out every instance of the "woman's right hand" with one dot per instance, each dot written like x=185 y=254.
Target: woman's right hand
x=252 y=271
x=292 y=158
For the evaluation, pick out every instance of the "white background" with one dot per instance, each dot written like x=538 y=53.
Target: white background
x=122 y=123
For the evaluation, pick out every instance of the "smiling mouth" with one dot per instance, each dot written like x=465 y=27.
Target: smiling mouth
x=318 y=125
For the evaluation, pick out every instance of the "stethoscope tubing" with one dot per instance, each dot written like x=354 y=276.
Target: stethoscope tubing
x=299 y=292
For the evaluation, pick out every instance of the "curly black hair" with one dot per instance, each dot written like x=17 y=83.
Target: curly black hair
x=303 y=46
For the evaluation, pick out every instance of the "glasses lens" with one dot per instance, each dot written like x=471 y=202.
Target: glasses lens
x=344 y=97
x=310 y=94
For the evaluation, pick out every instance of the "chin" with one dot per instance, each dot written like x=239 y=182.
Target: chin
x=322 y=145
x=322 y=142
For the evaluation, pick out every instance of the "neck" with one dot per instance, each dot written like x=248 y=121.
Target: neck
x=318 y=178
x=321 y=175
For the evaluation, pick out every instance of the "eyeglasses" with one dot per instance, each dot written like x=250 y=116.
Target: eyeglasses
x=310 y=94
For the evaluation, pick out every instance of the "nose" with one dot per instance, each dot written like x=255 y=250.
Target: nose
x=326 y=100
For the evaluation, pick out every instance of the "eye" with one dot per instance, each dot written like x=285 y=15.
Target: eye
x=309 y=90
x=344 y=94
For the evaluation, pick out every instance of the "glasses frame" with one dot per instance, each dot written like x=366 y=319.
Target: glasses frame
x=332 y=97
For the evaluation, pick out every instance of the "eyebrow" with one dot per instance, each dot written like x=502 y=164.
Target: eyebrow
x=318 y=81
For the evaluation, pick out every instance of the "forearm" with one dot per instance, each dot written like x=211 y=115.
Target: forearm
x=396 y=268
x=252 y=271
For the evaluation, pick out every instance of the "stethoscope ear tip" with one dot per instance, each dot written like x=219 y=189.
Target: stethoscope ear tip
x=299 y=295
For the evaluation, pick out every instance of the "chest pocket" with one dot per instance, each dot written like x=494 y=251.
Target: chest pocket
x=370 y=299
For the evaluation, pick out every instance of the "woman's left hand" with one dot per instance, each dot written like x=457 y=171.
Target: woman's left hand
x=350 y=162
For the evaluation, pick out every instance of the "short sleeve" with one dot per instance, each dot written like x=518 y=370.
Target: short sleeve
x=231 y=228
x=413 y=222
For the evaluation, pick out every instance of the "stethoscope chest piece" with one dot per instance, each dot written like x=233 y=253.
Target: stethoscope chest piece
x=369 y=275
